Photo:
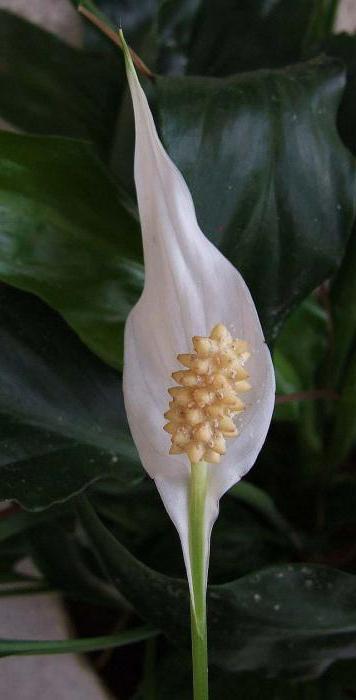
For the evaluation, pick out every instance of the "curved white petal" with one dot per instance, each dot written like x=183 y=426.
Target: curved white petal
x=189 y=288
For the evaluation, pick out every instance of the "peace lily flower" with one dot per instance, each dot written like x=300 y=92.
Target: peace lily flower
x=192 y=298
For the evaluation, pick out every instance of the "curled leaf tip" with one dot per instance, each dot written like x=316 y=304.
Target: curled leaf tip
x=202 y=409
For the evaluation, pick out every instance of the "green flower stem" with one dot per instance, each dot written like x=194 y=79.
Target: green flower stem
x=197 y=548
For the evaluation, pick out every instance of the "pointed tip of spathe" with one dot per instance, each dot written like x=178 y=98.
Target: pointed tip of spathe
x=132 y=60
x=125 y=48
x=130 y=68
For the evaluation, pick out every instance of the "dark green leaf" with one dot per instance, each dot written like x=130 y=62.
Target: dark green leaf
x=48 y=87
x=296 y=619
x=272 y=183
x=136 y=518
x=219 y=37
x=298 y=356
x=174 y=682
x=18 y=522
x=343 y=312
x=287 y=382
x=343 y=47
x=63 y=423
x=66 y=237
x=66 y=566
x=340 y=365
x=233 y=36
x=265 y=216
x=308 y=324
x=343 y=432
x=297 y=363
x=241 y=540
x=175 y=24
x=263 y=504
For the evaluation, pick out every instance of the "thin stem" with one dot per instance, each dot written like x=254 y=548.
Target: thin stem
x=197 y=547
x=311 y=395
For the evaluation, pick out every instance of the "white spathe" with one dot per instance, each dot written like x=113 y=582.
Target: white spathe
x=189 y=288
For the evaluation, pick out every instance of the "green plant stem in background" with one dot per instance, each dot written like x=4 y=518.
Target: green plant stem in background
x=26 y=647
x=197 y=545
x=321 y=23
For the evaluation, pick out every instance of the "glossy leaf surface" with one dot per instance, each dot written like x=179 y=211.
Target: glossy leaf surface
x=272 y=183
x=293 y=619
x=63 y=422
x=48 y=87
x=66 y=237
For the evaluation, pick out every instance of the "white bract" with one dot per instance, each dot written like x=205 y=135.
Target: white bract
x=189 y=288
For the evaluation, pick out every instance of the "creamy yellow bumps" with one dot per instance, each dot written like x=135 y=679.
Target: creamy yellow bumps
x=200 y=417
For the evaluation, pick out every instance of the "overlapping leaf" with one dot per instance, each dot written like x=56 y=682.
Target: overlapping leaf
x=173 y=682
x=48 y=87
x=343 y=47
x=297 y=364
x=62 y=417
x=65 y=236
x=139 y=522
x=273 y=185
x=291 y=619
x=248 y=35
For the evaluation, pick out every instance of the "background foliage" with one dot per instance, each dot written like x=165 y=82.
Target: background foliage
x=255 y=102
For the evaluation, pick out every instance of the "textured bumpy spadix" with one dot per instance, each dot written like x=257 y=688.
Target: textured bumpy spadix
x=202 y=410
x=189 y=288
